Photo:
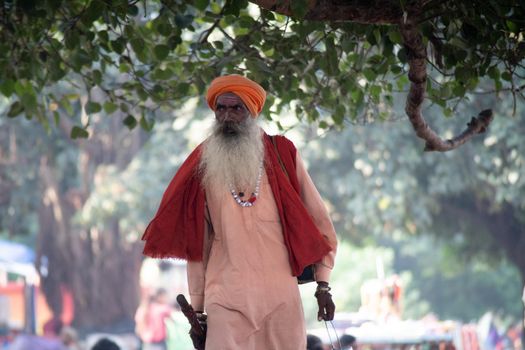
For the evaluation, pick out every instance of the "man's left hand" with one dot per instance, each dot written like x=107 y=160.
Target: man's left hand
x=324 y=301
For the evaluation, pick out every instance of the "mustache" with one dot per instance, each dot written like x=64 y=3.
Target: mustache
x=229 y=128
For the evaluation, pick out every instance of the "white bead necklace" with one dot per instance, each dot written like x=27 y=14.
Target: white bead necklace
x=251 y=201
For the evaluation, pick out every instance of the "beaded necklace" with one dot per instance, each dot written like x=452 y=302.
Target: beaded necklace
x=251 y=201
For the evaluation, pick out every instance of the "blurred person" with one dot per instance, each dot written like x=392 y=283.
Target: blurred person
x=347 y=342
x=35 y=342
x=105 y=344
x=69 y=338
x=150 y=320
x=53 y=326
x=50 y=340
x=313 y=342
x=245 y=214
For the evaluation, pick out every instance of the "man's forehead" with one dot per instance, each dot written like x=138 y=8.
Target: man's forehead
x=229 y=98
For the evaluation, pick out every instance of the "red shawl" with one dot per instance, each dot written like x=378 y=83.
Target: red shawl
x=177 y=229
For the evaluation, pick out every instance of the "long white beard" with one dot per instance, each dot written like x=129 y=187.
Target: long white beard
x=232 y=159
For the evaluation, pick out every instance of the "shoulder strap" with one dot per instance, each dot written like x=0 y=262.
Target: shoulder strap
x=279 y=157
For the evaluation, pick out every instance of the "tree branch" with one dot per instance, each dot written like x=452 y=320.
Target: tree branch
x=377 y=12
x=417 y=74
x=390 y=12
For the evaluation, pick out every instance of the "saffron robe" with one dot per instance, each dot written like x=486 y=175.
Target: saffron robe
x=244 y=281
x=244 y=259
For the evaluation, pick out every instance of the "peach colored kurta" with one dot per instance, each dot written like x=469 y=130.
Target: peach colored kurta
x=244 y=282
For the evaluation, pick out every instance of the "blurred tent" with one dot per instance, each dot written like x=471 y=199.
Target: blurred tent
x=17 y=295
x=16 y=252
x=18 y=259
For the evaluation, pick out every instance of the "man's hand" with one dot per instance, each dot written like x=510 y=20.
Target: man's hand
x=198 y=340
x=324 y=301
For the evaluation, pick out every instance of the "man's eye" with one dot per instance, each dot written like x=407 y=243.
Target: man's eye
x=238 y=108
x=220 y=108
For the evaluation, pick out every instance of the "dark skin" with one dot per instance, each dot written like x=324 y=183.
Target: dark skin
x=230 y=108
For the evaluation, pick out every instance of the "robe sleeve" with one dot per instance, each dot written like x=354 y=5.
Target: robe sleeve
x=314 y=204
x=196 y=270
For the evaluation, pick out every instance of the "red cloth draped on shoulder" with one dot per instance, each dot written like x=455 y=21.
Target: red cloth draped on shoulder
x=177 y=229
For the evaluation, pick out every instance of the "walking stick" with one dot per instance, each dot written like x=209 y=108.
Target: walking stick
x=197 y=332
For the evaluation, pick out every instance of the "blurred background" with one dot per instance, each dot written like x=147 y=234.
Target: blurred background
x=100 y=105
x=423 y=237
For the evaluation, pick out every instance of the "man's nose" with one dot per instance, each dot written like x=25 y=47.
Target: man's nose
x=227 y=117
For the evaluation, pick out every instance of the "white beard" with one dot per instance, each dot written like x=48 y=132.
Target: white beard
x=232 y=159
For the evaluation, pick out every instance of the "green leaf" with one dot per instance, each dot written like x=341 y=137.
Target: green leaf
x=375 y=92
x=445 y=91
x=402 y=55
x=332 y=61
x=215 y=7
x=138 y=45
x=145 y=124
x=93 y=107
x=79 y=132
x=110 y=107
x=201 y=4
x=463 y=73
x=124 y=107
x=348 y=44
x=183 y=21
x=56 y=118
x=323 y=124
x=143 y=94
x=162 y=74
x=29 y=100
x=7 y=87
x=133 y=10
x=97 y=77
x=339 y=114
x=513 y=27
x=395 y=36
x=493 y=72
x=369 y=74
x=93 y=12
x=377 y=35
x=164 y=29
x=130 y=121
x=246 y=22
x=183 y=88
x=459 y=90
x=15 y=109
x=299 y=8
x=118 y=45
x=234 y=7
x=71 y=39
x=506 y=76
x=161 y=51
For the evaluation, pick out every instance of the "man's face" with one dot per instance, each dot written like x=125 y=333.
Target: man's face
x=230 y=108
x=231 y=112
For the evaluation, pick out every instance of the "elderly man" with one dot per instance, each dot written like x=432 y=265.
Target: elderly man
x=244 y=213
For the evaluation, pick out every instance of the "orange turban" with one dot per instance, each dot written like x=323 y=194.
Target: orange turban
x=251 y=93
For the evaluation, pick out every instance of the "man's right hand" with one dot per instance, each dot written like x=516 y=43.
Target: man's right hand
x=198 y=340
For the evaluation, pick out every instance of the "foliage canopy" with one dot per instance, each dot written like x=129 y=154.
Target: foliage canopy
x=330 y=62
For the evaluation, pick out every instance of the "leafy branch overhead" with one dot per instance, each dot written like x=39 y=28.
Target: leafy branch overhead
x=331 y=62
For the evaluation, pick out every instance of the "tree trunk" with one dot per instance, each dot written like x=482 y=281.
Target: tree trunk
x=98 y=266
